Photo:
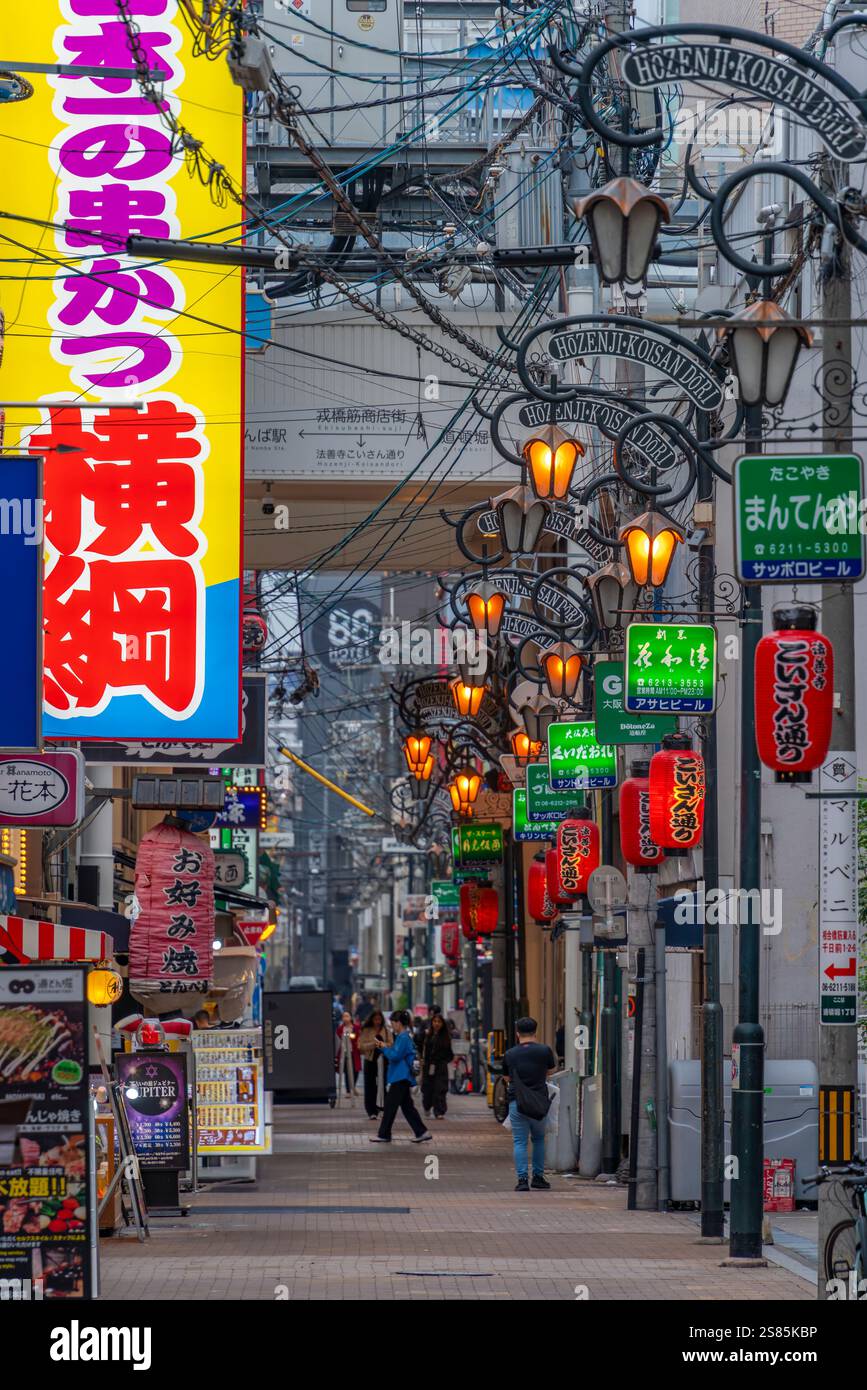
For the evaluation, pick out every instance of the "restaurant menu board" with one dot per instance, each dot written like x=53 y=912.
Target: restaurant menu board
x=155 y=1097
x=48 y=1199
x=230 y=1099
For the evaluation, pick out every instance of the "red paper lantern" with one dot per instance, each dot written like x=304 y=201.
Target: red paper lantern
x=480 y=909
x=794 y=695
x=677 y=787
x=450 y=941
x=636 y=842
x=539 y=903
x=578 y=854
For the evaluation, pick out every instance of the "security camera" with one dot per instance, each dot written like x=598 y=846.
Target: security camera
x=267 y=506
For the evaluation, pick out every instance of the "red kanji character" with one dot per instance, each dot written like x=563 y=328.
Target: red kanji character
x=130 y=466
x=135 y=629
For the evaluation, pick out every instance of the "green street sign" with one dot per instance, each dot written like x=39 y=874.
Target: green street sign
x=525 y=829
x=456 y=845
x=670 y=668
x=613 y=724
x=479 y=875
x=544 y=803
x=481 y=843
x=577 y=759
x=799 y=517
x=445 y=890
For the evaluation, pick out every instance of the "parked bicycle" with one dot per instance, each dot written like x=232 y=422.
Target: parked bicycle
x=845 y=1253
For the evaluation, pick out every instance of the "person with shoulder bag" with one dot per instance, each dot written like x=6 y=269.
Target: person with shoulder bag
x=527 y=1066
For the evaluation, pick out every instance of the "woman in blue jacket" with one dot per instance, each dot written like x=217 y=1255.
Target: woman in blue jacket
x=399 y=1081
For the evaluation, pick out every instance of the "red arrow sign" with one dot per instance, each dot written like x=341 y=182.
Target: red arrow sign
x=832 y=971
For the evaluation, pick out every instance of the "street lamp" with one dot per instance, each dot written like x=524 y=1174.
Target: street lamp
x=467 y=696
x=419 y=781
x=613 y=592
x=486 y=605
x=537 y=712
x=561 y=665
x=416 y=747
x=623 y=220
x=464 y=790
x=650 y=541
x=764 y=345
x=521 y=518
x=523 y=748
x=551 y=457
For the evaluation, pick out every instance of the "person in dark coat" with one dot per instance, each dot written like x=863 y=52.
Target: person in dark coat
x=435 y=1058
x=373 y=1062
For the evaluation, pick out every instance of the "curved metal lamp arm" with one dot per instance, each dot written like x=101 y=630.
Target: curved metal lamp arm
x=685 y=439
x=766 y=270
x=496 y=417
x=460 y=539
x=581 y=637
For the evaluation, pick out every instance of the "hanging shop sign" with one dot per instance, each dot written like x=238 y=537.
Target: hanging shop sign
x=609 y=415
x=481 y=843
x=523 y=828
x=447 y=896
x=544 y=803
x=670 y=668
x=577 y=759
x=155 y=1099
x=244 y=808
x=646 y=345
x=171 y=942
x=45 y=789
x=250 y=752
x=794 y=695
x=237 y=841
x=838 y=890
x=578 y=853
x=143 y=514
x=230 y=1098
x=814 y=104
x=613 y=723
x=231 y=868
x=21 y=576
x=799 y=517
x=47 y=1203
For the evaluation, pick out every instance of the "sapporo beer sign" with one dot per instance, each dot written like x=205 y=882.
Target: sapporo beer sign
x=635 y=341
x=798 y=517
x=650 y=66
x=143 y=518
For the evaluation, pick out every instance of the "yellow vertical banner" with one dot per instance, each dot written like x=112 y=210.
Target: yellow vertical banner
x=143 y=506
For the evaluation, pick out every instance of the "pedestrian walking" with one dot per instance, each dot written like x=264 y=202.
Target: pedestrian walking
x=373 y=1063
x=347 y=1062
x=527 y=1066
x=435 y=1058
x=400 y=1079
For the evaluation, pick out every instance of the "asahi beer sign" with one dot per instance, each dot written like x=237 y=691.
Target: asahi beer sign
x=609 y=417
x=774 y=81
x=684 y=366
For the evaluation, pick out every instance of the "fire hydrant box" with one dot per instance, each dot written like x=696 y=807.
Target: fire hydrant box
x=779 y=1184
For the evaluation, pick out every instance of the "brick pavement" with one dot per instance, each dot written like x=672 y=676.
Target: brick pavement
x=462 y=1234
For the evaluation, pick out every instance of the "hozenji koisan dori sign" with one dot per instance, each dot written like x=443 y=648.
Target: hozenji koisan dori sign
x=143 y=507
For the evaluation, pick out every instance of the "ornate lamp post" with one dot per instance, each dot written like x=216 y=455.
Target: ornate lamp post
x=521 y=517
x=623 y=220
x=464 y=789
x=561 y=666
x=537 y=713
x=650 y=541
x=416 y=748
x=486 y=605
x=467 y=696
x=764 y=347
x=614 y=593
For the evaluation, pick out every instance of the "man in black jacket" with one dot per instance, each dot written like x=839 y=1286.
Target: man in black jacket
x=527 y=1067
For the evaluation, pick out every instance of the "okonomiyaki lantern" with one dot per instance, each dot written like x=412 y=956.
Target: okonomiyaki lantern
x=677 y=788
x=172 y=939
x=794 y=695
x=578 y=852
x=450 y=941
x=480 y=909
x=539 y=902
x=636 y=842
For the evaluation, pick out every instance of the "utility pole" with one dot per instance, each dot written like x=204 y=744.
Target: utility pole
x=748 y=1039
x=838 y=1042
x=642 y=915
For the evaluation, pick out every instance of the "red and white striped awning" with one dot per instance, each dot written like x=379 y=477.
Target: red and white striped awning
x=52 y=941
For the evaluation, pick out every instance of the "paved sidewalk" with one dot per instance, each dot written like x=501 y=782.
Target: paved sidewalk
x=335 y=1217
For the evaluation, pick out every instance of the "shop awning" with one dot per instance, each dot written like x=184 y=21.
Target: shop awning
x=53 y=941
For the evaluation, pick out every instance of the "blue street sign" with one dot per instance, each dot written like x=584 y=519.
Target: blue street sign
x=21 y=582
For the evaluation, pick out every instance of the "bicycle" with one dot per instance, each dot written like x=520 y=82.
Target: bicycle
x=845 y=1252
x=460 y=1082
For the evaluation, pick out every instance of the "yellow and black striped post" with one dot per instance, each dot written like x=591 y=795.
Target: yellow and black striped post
x=836 y=1124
